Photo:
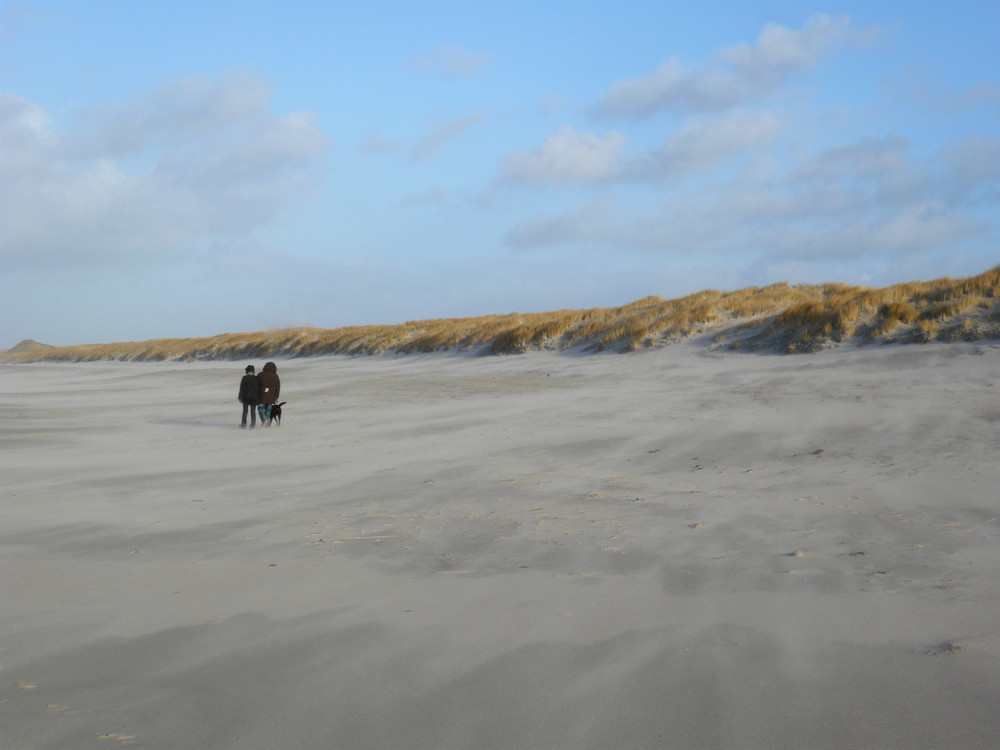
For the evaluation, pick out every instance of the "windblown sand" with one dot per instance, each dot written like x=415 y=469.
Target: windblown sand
x=670 y=549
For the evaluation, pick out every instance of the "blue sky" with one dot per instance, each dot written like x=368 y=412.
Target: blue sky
x=192 y=168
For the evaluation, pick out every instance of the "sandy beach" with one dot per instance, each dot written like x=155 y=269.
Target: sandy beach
x=667 y=549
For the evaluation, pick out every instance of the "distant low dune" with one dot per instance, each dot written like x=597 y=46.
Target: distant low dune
x=29 y=346
x=781 y=317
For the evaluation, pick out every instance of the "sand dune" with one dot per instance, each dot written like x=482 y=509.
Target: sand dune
x=673 y=548
x=783 y=318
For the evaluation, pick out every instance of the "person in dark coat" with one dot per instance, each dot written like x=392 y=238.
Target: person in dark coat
x=249 y=396
x=270 y=389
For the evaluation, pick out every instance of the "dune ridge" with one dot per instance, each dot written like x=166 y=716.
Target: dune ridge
x=780 y=317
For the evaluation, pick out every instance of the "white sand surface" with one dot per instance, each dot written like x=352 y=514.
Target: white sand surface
x=666 y=549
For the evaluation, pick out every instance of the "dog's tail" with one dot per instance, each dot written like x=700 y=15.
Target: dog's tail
x=282 y=403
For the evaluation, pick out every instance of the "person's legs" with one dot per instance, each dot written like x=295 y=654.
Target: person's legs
x=265 y=414
x=246 y=406
x=253 y=416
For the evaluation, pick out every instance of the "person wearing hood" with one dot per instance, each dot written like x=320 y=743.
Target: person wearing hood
x=249 y=396
x=270 y=388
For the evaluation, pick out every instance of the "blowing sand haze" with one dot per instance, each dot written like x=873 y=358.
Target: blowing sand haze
x=667 y=549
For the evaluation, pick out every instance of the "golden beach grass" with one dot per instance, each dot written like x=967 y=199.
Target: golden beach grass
x=781 y=317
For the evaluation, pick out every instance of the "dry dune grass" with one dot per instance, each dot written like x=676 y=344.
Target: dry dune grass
x=944 y=309
x=779 y=317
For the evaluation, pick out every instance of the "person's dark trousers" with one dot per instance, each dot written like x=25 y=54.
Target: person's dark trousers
x=253 y=415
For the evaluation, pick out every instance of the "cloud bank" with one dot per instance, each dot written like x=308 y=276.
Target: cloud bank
x=731 y=77
x=871 y=197
x=737 y=179
x=157 y=175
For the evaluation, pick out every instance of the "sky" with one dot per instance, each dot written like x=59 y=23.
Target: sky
x=181 y=169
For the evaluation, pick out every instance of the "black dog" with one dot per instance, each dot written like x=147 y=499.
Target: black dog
x=276 y=413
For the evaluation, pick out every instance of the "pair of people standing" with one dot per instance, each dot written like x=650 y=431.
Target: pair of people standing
x=258 y=393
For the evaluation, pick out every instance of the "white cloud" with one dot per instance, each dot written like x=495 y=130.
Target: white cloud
x=873 y=171
x=568 y=157
x=780 y=52
x=909 y=231
x=451 y=59
x=24 y=127
x=868 y=199
x=973 y=170
x=374 y=143
x=868 y=157
x=670 y=85
x=216 y=164
x=916 y=84
x=705 y=142
x=15 y=20
x=588 y=224
x=443 y=134
x=984 y=93
x=730 y=78
x=171 y=115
